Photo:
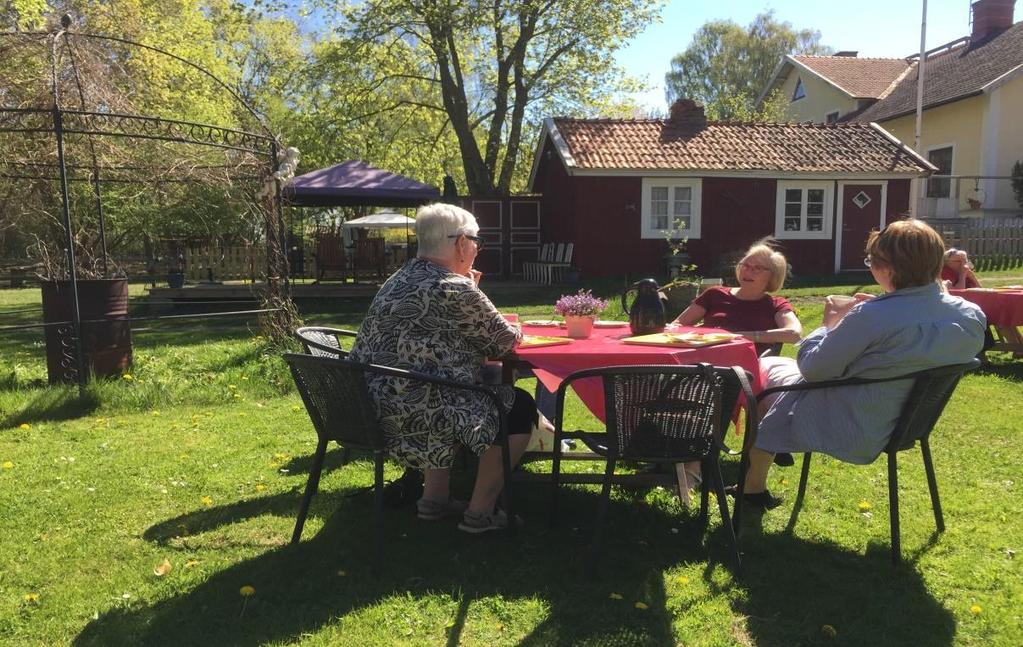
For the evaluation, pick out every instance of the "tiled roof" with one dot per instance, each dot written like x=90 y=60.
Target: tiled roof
x=657 y=144
x=862 y=78
x=955 y=74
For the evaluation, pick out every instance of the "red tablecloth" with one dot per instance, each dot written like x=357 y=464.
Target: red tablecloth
x=552 y=364
x=1002 y=307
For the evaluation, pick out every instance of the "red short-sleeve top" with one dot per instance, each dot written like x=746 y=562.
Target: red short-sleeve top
x=725 y=310
x=948 y=274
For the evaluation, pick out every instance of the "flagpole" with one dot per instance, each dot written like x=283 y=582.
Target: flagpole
x=920 y=88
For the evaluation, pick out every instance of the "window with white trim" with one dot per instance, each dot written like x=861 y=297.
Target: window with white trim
x=940 y=187
x=804 y=209
x=671 y=205
x=832 y=117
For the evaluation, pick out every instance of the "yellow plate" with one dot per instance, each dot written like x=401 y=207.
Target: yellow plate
x=686 y=339
x=535 y=341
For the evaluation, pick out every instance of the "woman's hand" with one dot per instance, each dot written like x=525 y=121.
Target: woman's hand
x=475 y=275
x=837 y=306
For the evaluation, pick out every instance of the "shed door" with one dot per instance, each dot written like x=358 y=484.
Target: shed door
x=861 y=212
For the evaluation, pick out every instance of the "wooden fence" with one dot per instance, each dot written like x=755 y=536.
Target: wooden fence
x=216 y=263
x=991 y=243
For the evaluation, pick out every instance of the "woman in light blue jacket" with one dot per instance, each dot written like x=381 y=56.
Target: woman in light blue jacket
x=913 y=326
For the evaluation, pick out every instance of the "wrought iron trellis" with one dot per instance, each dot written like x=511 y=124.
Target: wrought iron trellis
x=257 y=155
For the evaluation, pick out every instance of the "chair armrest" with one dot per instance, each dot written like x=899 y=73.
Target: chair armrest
x=854 y=381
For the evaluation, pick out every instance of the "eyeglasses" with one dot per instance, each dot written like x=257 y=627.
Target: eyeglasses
x=754 y=268
x=475 y=239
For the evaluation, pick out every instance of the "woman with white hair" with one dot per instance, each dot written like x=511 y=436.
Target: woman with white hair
x=430 y=316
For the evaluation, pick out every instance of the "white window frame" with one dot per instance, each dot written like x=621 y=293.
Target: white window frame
x=951 y=171
x=695 y=186
x=805 y=185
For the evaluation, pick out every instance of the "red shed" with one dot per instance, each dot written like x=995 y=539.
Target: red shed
x=614 y=187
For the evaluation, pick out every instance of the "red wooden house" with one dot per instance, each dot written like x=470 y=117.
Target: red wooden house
x=614 y=187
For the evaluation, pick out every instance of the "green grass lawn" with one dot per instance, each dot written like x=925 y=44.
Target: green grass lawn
x=136 y=514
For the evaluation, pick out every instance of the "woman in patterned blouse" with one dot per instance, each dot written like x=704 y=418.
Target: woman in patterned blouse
x=431 y=317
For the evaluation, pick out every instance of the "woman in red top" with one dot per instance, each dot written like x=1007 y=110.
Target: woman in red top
x=749 y=309
x=958 y=271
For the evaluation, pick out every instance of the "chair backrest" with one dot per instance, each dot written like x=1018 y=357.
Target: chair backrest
x=925 y=403
x=335 y=395
x=559 y=252
x=323 y=342
x=547 y=252
x=567 y=256
x=667 y=413
x=330 y=254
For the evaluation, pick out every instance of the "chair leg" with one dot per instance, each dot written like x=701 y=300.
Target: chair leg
x=804 y=476
x=378 y=510
x=506 y=493
x=932 y=484
x=311 y=486
x=555 y=480
x=605 y=502
x=704 y=495
x=719 y=490
x=893 y=507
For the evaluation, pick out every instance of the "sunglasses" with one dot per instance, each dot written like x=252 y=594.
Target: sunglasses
x=475 y=239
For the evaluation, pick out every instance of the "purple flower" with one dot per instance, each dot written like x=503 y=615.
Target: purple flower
x=581 y=304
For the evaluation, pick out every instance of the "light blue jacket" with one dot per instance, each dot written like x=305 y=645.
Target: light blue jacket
x=900 y=332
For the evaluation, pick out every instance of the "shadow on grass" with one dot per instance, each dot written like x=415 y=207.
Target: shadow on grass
x=54 y=403
x=791 y=589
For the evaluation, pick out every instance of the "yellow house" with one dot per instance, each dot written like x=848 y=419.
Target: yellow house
x=971 y=127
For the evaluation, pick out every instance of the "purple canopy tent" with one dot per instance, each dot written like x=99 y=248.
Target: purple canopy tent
x=356 y=183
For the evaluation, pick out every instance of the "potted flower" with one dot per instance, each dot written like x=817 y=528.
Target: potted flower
x=579 y=311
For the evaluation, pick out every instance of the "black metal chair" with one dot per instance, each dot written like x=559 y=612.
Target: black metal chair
x=931 y=391
x=322 y=341
x=661 y=414
x=339 y=404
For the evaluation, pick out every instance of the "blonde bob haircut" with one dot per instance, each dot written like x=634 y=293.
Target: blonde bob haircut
x=913 y=251
x=438 y=223
x=762 y=251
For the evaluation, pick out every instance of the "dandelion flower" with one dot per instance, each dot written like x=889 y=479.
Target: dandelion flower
x=294 y=408
x=207 y=500
x=24 y=425
x=864 y=506
x=641 y=606
x=615 y=596
x=976 y=609
x=829 y=631
x=683 y=580
x=127 y=377
x=260 y=487
x=8 y=465
x=342 y=573
x=192 y=563
x=31 y=598
x=247 y=591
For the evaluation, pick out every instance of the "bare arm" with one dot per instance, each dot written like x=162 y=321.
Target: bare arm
x=788 y=330
x=691 y=316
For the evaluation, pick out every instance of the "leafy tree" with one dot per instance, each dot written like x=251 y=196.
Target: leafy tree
x=726 y=66
x=490 y=69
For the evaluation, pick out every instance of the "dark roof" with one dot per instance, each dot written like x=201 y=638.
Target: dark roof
x=658 y=144
x=861 y=78
x=356 y=183
x=957 y=73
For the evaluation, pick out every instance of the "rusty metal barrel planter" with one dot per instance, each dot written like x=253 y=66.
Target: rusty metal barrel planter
x=106 y=328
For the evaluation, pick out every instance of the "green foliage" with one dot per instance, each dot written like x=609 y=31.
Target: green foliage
x=726 y=66
x=488 y=72
x=1017 y=181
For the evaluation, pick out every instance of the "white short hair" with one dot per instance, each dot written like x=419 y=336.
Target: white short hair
x=437 y=223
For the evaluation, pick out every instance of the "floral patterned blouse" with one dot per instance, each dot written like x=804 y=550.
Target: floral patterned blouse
x=426 y=318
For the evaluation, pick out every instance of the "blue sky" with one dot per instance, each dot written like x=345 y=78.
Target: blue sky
x=884 y=28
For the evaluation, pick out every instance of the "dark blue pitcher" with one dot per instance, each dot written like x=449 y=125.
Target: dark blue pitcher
x=646 y=315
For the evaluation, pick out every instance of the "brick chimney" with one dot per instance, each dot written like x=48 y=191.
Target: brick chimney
x=990 y=17
x=686 y=113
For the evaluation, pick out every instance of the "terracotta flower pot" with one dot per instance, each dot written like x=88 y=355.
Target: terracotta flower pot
x=579 y=327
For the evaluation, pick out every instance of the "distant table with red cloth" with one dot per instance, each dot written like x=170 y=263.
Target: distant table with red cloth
x=605 y=347
x=1003 y=309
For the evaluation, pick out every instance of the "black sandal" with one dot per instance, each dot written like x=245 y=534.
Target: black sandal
x=764 y=499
